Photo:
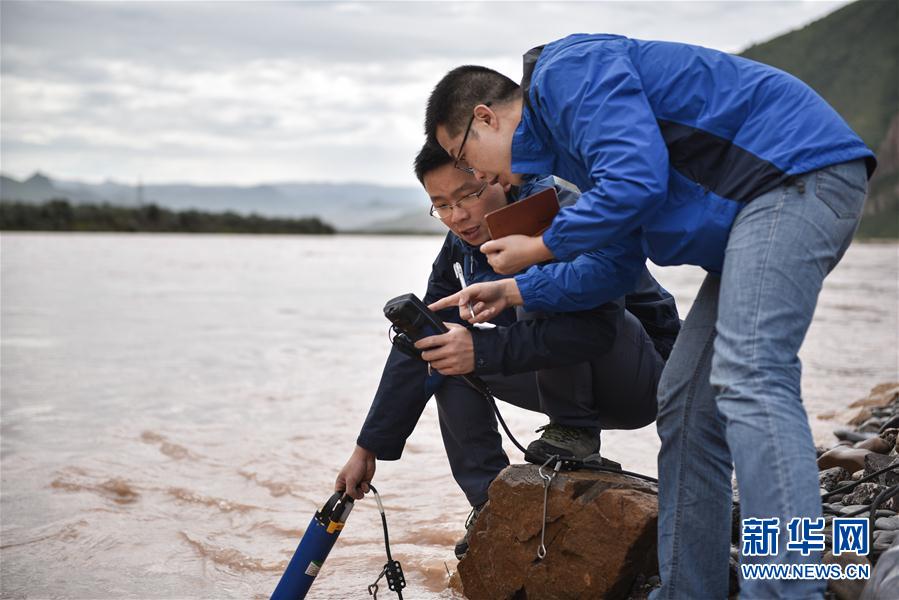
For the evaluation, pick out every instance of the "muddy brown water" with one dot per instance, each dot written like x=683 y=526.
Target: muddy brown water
x=174 y=408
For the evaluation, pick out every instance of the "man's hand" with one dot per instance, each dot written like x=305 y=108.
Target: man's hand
x=450 y=353
x=356 y=473
x=514 y=253
x=487 y=300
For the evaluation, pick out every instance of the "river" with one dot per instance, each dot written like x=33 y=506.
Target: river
x=175 y=407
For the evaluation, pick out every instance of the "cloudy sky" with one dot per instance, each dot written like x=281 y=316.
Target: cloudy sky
x=249 y=92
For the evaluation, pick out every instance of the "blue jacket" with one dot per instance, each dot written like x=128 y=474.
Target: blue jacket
x=513 y=346
x=667 y=141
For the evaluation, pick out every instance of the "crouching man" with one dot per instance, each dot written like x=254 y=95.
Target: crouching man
x=587 y=371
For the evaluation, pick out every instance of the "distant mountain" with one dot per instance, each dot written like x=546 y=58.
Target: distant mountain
x=36 y=188
x=418 y=221
x=851 y=58
x=346 y=206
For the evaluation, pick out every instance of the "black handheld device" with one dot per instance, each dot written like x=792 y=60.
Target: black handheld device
x=412 y=321
x=411 y=317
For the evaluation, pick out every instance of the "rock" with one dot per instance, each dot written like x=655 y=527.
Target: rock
x=829 y=478
x=875 y=444
x=873 y=424
x=890 y=424
x=875 y=462
x=887 y=523
x=885 y=577
x=845 y=589
x=864 y=494
x=885 y=513
x=852 y=508
x=884 y=540
x=851 y=459
x=600 y=534
x=861 y=416
x=850 y=435
x=881 y=395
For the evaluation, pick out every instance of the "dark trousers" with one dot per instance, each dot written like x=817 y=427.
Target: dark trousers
x=615 y=390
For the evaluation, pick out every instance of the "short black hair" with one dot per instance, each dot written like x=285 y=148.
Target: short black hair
x=430 y=157
x=460 y=90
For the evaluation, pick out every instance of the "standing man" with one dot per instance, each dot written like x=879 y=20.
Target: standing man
x=685 y=155
x=589 y=370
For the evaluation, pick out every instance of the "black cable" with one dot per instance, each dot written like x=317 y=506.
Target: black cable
x=855 y=483
x=579 y=462
x=394 y=572
x=383 y=524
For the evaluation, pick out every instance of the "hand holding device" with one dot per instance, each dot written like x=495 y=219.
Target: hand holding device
x=356 y=474
x=489 y=299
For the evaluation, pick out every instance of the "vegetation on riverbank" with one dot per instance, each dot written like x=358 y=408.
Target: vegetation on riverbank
x=60 y=215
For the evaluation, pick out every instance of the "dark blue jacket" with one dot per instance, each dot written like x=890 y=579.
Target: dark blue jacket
x=513 y=346
x=667 y=142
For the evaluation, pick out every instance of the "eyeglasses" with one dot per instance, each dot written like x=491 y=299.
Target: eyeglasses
x=458 y=160
x=446 y=210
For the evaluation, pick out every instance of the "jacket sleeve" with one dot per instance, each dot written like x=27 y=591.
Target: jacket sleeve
x=604 y=119
x=547 y=341
x=406 y=386
x=591 y=279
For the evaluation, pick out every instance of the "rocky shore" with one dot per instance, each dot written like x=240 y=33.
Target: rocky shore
x=856 y=476
x=600 y=534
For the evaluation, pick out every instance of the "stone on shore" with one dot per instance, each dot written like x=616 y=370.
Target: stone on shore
x=875 y=444
x=600 y=535
x=878 y=462
x=851 y=459
x=882 y=395
x=845 y=589
x=830 y=478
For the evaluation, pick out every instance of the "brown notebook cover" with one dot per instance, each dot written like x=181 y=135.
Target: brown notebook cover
x=531 y=216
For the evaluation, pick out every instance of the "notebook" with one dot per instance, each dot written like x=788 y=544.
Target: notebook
x=530 y=216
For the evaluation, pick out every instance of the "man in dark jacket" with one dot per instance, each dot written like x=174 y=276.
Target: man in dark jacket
x=588 y=370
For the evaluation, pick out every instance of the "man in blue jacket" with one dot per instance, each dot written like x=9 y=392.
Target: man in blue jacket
x=685 y=155
x=597 y=368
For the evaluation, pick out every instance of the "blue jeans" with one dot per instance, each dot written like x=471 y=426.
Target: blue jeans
x=729 y=397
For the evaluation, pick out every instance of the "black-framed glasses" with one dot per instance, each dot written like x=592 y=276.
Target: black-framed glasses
x=446 y=210
x=466 y=168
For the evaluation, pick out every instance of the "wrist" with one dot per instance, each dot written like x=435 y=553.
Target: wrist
x=511 y=292
x=540 y=252
x=363 y=452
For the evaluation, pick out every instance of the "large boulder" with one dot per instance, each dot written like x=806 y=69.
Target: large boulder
x=600 y=534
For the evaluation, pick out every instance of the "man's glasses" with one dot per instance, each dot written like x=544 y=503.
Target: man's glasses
x=444 y=211
x=459 y=162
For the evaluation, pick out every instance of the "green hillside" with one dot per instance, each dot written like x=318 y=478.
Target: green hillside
x=851 y=58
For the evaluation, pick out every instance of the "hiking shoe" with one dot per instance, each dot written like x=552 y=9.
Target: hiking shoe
x=564 y=441
x=462 y=545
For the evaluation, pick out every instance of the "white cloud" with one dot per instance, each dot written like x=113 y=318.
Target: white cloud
x=245 y=92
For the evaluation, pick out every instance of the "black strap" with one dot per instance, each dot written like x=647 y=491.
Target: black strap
x=530 y=61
